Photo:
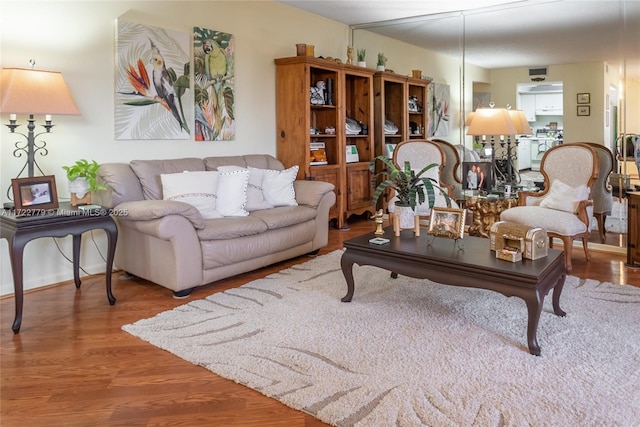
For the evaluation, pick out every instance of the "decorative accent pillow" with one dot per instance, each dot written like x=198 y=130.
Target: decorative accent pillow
x=232 y=192
x=277 y=186
x=563 y=197
x=255 y=198
x=195 y=188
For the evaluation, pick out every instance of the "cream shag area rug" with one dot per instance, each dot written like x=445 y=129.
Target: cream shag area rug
x=409 y=352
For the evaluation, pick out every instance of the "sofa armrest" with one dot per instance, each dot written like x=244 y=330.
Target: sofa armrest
x=146 y=210
x=310 y=193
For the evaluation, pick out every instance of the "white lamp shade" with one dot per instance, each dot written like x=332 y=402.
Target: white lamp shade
x=492 y=121
x=25 y=91
x=520 y=122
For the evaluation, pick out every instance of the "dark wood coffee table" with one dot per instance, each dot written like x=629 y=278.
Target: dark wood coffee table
x=476 y=266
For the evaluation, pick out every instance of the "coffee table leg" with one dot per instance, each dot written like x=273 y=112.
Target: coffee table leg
x=534 y=308
x=347 y=270
x=557 y=290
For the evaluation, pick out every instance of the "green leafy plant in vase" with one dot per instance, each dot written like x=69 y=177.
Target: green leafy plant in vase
x=410 y=188
x=362 y=53
x=82 y=176
x=382 y=62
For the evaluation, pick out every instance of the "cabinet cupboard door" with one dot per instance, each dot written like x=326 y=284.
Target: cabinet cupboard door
x=332 y=176
x=358 y=188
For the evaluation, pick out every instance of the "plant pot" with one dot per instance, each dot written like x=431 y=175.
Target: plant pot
x=404 y=217
x=362 y=64
x=79 y=189
x=380 y=67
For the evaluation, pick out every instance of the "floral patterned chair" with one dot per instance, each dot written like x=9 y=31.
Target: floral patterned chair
x=564 y=208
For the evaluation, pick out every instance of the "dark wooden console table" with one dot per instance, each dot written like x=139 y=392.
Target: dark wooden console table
x=21 y=229
x=476 y=266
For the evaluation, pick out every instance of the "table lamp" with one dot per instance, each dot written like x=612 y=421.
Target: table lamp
x=30 y=91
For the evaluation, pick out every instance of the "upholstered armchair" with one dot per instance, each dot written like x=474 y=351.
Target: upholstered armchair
x=602 y=192
x=420 y=153
x=451 y=173
x=564 y=208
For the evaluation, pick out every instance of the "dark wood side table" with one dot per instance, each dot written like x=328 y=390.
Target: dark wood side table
x=21 y=229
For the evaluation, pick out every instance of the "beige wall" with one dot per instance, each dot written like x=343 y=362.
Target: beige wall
x=78 y=39
x=594 y=78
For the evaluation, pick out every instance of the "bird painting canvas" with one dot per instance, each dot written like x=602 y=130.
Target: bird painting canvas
x=153 y=99
x=438 y=110
x=213 y=71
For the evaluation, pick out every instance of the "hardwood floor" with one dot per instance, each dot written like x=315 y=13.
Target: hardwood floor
x=72 y=365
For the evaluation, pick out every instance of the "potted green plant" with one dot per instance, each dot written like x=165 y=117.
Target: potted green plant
x=382 y=62
x=362 y=53
x=410 y=188
x=82 y=176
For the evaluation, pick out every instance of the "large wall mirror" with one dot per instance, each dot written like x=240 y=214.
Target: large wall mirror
x=462 y=37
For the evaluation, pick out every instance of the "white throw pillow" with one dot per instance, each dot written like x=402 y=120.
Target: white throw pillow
x=255 y=197
x=232 y=192
x=196 y=188
x=277 y=186
x=563 y=197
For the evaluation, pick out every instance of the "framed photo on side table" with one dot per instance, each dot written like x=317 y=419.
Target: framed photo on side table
x=35 y=193
x=447 y=222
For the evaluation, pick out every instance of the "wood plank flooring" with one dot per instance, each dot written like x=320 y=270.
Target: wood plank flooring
x=72 y=365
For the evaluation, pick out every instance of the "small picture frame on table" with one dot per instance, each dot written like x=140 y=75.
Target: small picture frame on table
x=447 y=222
x=584 y=110
x=584 y=98
x=34 y=193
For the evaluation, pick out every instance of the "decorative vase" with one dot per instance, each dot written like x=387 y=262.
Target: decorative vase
x=79 y=189
x=362 y=64
x=404 y=217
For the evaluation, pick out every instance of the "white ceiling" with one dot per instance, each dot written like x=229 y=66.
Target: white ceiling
x=501 y=33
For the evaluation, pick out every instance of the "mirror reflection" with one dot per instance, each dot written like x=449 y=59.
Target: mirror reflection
x=563 y=103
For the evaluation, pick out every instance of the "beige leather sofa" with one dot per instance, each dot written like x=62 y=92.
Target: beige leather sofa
x=169 y=243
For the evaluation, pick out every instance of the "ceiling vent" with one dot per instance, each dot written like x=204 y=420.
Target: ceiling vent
x=538 y=74
x=535 y=72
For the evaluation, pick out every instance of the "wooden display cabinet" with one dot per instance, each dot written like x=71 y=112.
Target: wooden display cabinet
x=419 y=90
x=392 y=93
x=633 y=230
x=296 y=116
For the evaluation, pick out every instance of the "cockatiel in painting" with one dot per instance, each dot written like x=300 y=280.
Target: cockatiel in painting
x=162 y=82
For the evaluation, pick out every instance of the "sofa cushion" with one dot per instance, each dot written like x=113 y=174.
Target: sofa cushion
x=255 y=198
x=195 y=188
x=277 y=186
x=231 y=228
x=148 y=172
x=260 y=161
x=232 y=192
x=285 y=216
x=219 y=253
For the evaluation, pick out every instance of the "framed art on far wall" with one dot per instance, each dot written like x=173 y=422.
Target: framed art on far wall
x=35 y=193
x=584 y=98
x=584 y=110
